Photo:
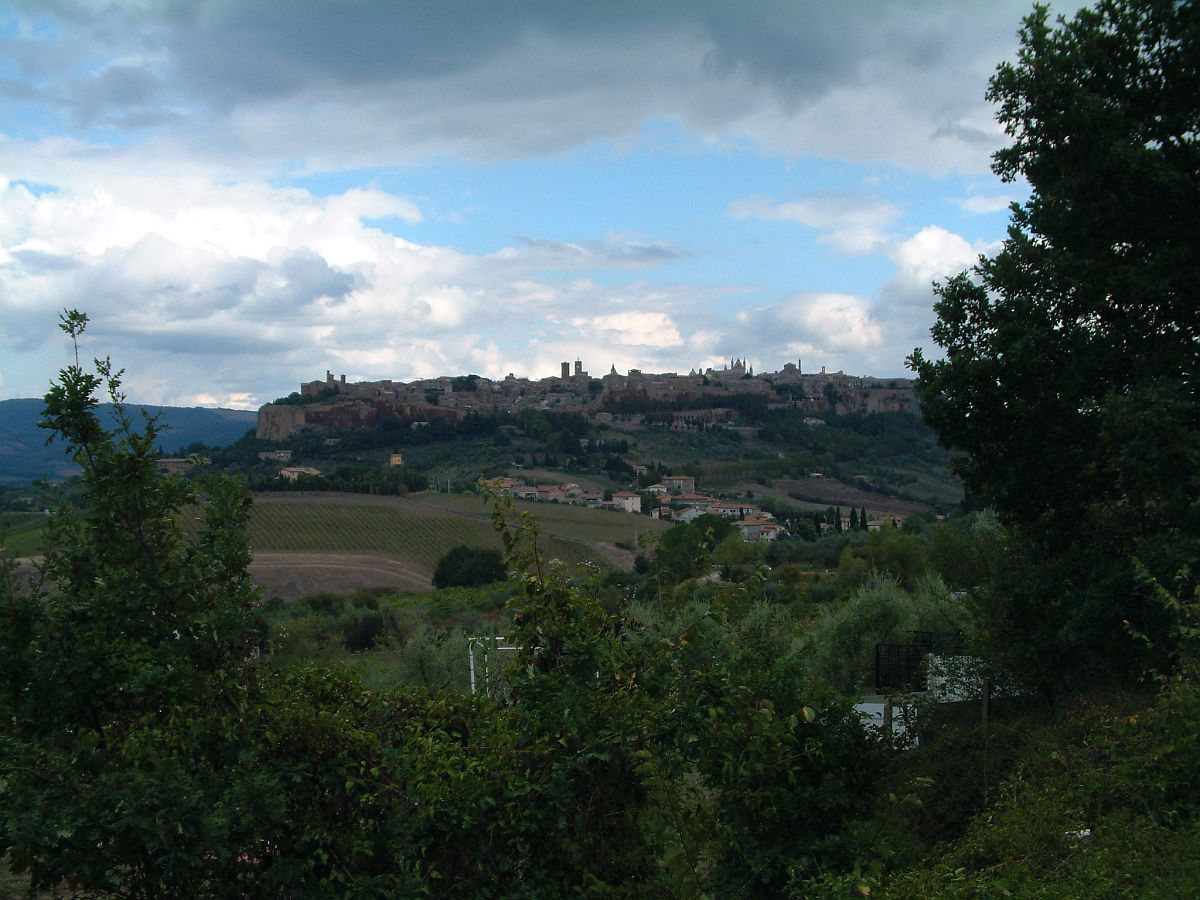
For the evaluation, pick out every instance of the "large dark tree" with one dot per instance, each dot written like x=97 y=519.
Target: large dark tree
x=1069 y=375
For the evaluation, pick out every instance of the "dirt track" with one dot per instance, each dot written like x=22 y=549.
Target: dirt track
x=293 y=575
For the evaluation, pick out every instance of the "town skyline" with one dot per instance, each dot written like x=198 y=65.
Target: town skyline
x=742 y=365
x=702 y=398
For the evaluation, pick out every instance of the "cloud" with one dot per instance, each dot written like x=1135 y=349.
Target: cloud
x=243 y=290
x=839 y=331
x=35 y=261
x=833 y=322
x=257 y=277
x=932 y=254
x=610 y=252
x=852 y=223
x=120 y=96
x=644 y=329
x=981 y=205
x=151 y=148
x=375 y=83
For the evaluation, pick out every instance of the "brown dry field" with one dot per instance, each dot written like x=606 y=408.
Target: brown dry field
x=295 y=575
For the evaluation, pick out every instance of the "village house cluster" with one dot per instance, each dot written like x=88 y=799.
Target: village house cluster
x=677 y=499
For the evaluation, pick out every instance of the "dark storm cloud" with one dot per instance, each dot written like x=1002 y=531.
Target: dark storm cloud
x=233 y=51
x=800 y=50
x=119 y=95
x=388 y=81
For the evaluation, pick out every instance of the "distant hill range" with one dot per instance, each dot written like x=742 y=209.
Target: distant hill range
x=24 y=455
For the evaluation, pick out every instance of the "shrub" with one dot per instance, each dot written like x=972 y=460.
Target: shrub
x=841 y=641
x=466 y=566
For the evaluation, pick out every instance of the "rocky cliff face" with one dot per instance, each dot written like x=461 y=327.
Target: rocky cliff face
x=279 y=422
x=886 y=400
x=275 y=423
x=870 y=402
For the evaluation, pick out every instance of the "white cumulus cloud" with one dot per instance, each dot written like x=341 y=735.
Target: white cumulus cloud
x=851 y=223
x=933 y=253
x=979 y=204
x=647 y=329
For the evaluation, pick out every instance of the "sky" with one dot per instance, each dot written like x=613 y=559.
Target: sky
x=242 y=195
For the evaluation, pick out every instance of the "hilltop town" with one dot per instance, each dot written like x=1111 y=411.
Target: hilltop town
x=701 y=396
